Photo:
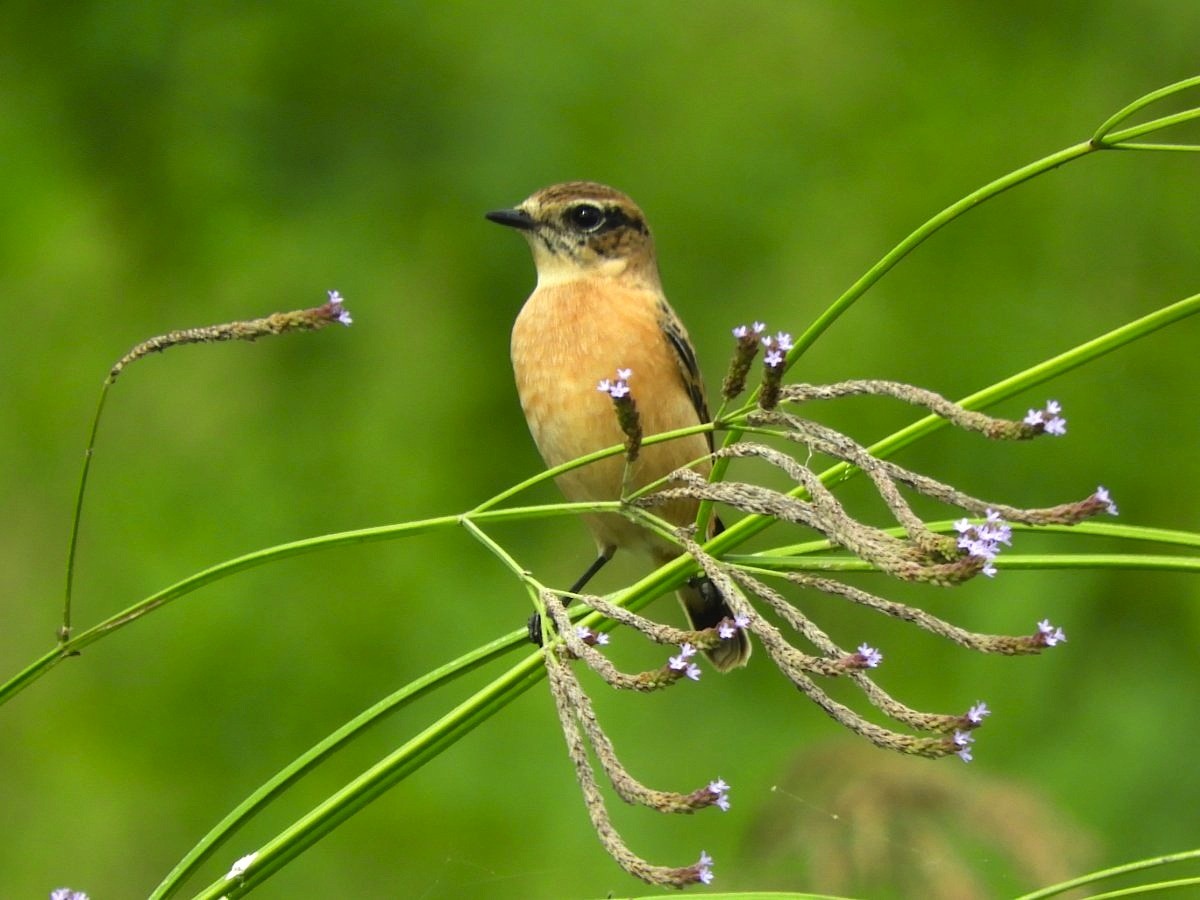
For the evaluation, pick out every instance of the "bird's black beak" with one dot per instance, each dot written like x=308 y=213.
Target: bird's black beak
x=513 y=218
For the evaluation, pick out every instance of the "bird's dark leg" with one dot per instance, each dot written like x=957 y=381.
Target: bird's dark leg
x=535 y=621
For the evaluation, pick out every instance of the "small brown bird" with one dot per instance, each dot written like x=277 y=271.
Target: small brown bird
x=598 y=307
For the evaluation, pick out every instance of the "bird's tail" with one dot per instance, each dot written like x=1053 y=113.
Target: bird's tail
x=705 y=607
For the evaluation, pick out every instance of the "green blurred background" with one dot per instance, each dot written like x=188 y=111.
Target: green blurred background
x=168 y=165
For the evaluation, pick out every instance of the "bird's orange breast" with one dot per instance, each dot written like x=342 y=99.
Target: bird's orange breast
x=567 y=338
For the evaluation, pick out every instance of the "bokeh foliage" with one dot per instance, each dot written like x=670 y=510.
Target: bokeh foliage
x=171 y=165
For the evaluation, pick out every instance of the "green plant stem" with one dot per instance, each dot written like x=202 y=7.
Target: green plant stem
x=1141 y=103
x=1125 y=869
x=257 y=558
x=360 y=792
x=288 y=776
x=64 y=631
x=1001 y=390
x=1157 y=887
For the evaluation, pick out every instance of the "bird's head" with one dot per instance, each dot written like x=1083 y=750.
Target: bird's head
x=581 y=229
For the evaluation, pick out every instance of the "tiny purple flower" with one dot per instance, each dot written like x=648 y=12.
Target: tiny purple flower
x=1102 y=495
x=704 y=868
x=720 y=790
x=619 y=390
x=729 y=627
x=624 y=374
x=1049 y=634
x=592 y=638
x=1047 y=419
x=680 y=663
x=759 y=327
x=870 y=657
x=604 y=385
x=740 y=332
x=983 y=540
x=783 y=341
x=339 y=311
x=67 y=894
x=976 y=713
x=963 y=740
x=773 y=358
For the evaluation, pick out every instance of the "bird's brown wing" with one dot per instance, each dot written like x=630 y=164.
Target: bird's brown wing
x=689 y=368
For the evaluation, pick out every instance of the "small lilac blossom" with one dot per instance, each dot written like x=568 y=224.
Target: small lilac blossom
x=67 y=894
x=976 y=713
x=1102 y=496
x=783 y=341
x=704 y=868
x=239 y=868
x=720 y=790
x=592 y=638
x=963 y=740
x=339 y=311
x=729 y=627
x=740 y=332
x=618 y=387
x=773 y=358
x=984 y=540
x=759 y=327
x=1047 y=419
x=1050 y=635
x=682 y=663
x=871 y=658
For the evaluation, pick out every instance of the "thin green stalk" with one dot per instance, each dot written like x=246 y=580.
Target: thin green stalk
x=946 y=526
x=1153 y=888
x=292 y=773
x=1141 y=103
x=1178 y=148
x=1114 y=872
x=1133 y=561
x=555 y=471
x=326 y=816
x=64 y=631
x=72 y=647
x=1118 y=137
x=1001 y=390
x=1099 y=141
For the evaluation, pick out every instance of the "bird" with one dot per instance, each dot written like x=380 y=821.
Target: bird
x=599 y=307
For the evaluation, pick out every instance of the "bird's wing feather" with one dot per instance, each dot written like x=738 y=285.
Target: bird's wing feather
x=689 y=368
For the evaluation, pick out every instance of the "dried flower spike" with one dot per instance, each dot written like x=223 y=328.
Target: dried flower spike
x=743 y=356
x=626 y=409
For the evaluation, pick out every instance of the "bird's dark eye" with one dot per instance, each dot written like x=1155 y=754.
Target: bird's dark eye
x=586 y=217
